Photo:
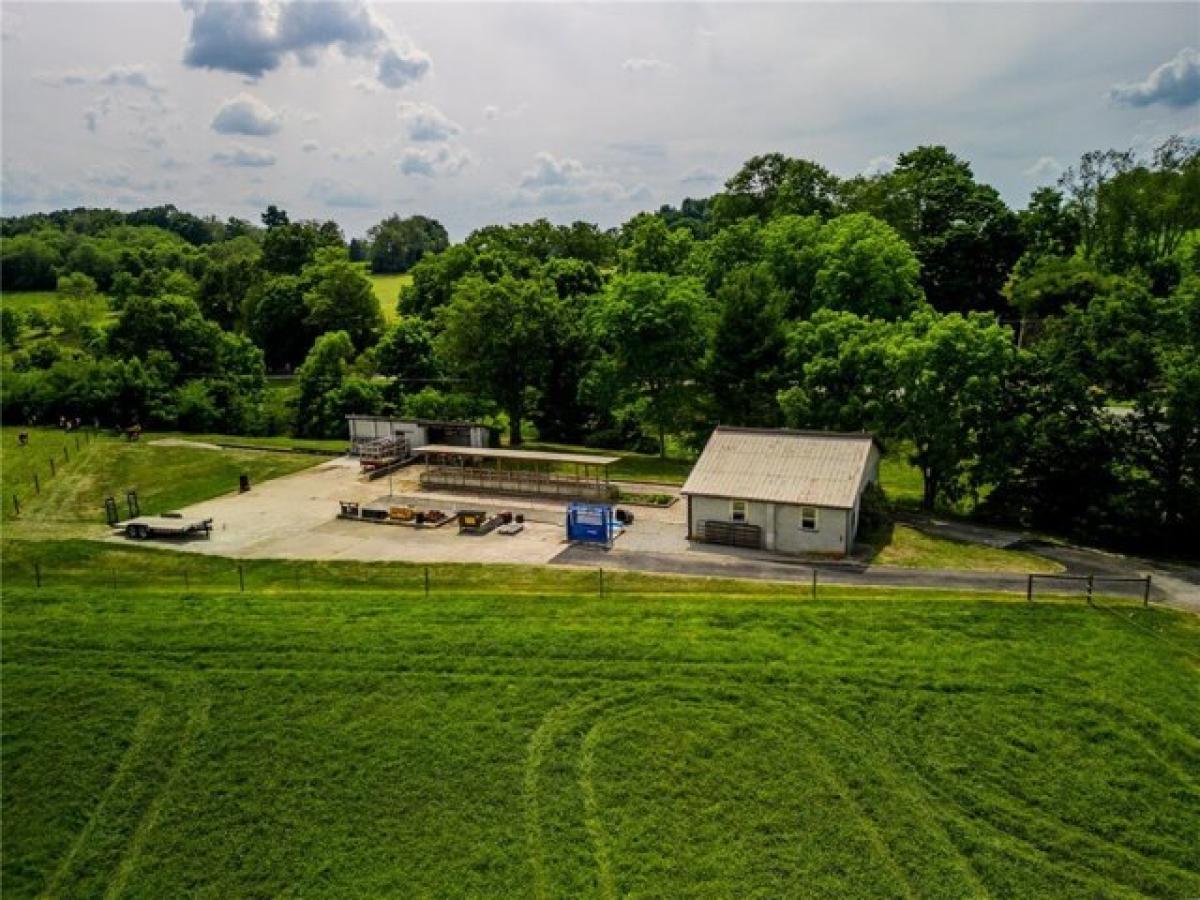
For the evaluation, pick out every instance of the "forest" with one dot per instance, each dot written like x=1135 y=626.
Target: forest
x=1039 y=366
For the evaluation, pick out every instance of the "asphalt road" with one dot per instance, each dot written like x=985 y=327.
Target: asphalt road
x=1168 y=587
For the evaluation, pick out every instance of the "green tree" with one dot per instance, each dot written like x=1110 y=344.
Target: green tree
x=963 y=234
x=340 y=298
x=743 y=368
x=277 y=321
x=398 y=244
x=1048 y=225
x=434 y=279
x=232 y=271
x=650 y=246
x=496 y=337
x=838 y=373
x=77 y=287
x=949 y=376
x=11 y=323
x=405 y=351
x=169 y=324
x=656 y=330
x=318 y=380
x=774 y=184
x=865 y=267
x=287 y=249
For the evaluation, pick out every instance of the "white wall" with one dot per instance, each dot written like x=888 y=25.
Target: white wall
x=780 y=524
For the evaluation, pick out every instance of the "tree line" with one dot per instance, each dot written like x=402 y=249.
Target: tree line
x=1038 y=365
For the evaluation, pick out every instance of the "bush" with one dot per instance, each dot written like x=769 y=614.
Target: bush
x=875 y=515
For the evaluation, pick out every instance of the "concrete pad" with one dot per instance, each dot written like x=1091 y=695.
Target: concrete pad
x=295 y=517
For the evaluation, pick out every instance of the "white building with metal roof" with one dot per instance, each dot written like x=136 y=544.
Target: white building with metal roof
x=780 y=490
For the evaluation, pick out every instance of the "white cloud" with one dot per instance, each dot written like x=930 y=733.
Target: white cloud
x=1044 y=168
x=253 y=37
x=491 y=112
x=353 y=153
x=443 y=159
x=1175 y=83
x=246 y=115
x=401 y=67
x=699 y=175
x=646 y=64
x=425 y=123
x=553 y=180
x=244 y=157
x=338 y=194
x=308 y=145
x=135 y=76
x=121 y=176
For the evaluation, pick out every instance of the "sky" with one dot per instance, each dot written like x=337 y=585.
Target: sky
x=493 y=113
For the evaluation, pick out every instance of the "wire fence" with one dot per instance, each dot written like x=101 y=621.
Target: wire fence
x=35 y=475
x=128 y=570
x=125 y=571
x=1092 y=586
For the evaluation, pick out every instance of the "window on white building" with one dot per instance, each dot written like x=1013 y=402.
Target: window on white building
x=809 y=520
x=737 y=511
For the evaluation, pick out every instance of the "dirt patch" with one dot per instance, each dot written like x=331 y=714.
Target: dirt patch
x=180 y=442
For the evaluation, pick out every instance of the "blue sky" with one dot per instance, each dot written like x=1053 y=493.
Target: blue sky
x=488 y=113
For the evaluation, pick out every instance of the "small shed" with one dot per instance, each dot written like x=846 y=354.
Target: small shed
x=365 y=430
x=781 y=490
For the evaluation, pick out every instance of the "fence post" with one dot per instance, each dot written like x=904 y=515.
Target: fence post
x=37 y=483
x=16 y=505
x=52 y=466
x=1146 y=594
x=66 y=455
x=814 y=584
x=427 y=582
x=1090 y=583
x=601 y=572
x=241 y=579
x=37 y=573
x=76 y=443
x=1029 y=590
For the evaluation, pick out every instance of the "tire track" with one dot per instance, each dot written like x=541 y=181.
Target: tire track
x=197 y=721
x=147 y=720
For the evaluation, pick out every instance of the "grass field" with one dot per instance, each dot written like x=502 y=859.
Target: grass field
x=913 y=549
x=26 y=302
x=72 y=499
x=387 y=291
x=332 y=732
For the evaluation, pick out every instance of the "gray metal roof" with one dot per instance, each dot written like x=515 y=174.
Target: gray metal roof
x=816 y=468
x=583 y=459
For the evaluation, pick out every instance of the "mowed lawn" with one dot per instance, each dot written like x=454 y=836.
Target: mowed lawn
x=332 y=732
x=387 y=291
x=84 y=472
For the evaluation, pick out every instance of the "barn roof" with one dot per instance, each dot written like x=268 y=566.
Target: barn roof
x=816 y=468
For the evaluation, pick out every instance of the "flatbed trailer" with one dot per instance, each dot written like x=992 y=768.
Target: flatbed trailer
x=166 y=525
